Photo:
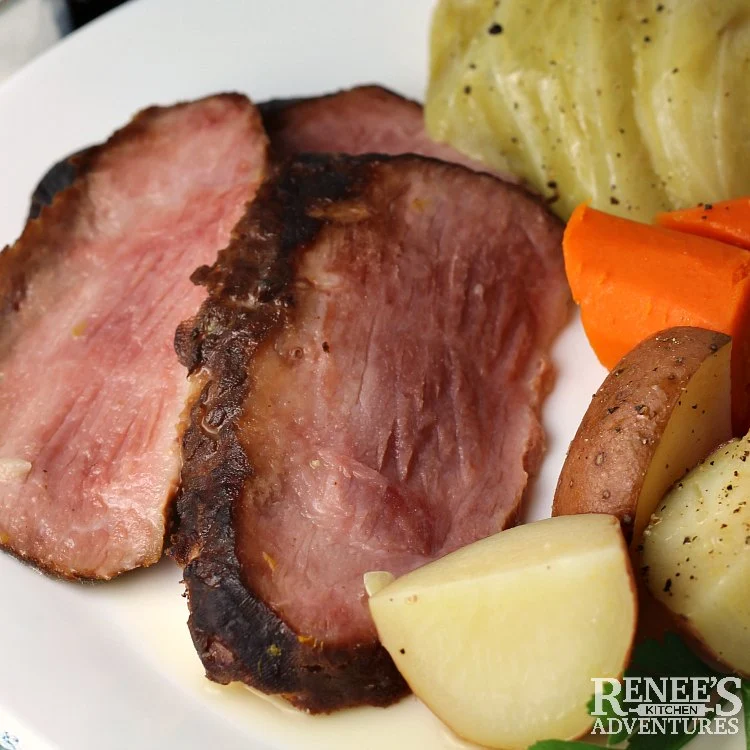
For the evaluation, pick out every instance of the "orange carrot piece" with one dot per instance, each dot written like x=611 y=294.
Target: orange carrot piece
x=633 y=280
x=728 y=221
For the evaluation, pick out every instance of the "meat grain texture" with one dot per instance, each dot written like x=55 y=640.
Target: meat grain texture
x=368 y=371
x=90 y=391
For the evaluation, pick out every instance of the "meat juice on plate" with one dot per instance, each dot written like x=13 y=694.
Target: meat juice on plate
x=164 y=642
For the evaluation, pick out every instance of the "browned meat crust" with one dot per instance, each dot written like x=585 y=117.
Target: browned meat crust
x=238 y=637
x=237 y=634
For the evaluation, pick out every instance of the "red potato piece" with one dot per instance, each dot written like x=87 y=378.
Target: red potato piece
x=662 y=409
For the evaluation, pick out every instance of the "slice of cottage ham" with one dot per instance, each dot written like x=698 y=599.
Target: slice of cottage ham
x=371 y=361
x=91 y=393
x=362 y=120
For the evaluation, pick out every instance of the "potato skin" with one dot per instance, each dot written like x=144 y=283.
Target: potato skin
x=610 y=454
x=701 y=649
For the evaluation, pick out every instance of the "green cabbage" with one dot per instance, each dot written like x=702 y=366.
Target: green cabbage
x=634 y=106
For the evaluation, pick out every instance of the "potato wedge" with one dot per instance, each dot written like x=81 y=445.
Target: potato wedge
x=502 y=638
x=696 y=555
x=663 y=408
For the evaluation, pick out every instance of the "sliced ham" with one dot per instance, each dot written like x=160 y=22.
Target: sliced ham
x=362 y=120
x=369 y=368
x=91 y=394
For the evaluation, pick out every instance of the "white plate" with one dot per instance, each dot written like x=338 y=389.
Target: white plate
x=112 y=666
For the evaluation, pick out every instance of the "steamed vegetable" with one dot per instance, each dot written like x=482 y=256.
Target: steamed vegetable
x=727 y=221
x=662 y=409
x=635 y=105
x=696 y=554
x=501 y=638
x=633 y=280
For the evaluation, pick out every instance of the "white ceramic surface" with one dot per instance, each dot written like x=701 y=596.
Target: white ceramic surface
x=112 y=666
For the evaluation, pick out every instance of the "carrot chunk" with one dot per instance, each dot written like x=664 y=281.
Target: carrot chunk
x=728 y=221
x=633 y=280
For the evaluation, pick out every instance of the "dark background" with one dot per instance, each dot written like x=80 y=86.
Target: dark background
x=83 y=11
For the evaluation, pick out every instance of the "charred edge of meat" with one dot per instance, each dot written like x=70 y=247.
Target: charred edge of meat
x=59 y=177
x=19 y=262
x=236 y=634
x=62 y=175
x=51 y=570
x=56 y=200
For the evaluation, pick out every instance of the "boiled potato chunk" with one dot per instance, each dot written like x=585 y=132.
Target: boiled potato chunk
x=696 y=554
x=661 y=410
x=502 y=638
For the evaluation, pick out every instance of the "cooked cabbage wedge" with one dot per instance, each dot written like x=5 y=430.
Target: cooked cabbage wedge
x=637 y=106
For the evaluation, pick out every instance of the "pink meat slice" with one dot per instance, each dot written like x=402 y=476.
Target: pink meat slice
x=397 y=418
x=369 y=366
x=361 y=120
x=91 y=393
